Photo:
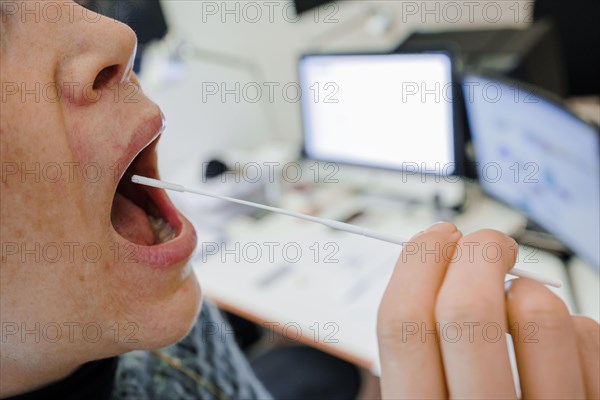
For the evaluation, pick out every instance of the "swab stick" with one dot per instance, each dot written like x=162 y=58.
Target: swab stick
x=340 y=226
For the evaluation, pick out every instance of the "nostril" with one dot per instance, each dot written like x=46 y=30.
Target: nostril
x=105 y=76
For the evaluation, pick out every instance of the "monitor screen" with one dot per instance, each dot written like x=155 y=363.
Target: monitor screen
x=392 y=111
x=305 y=5
x=536 y=156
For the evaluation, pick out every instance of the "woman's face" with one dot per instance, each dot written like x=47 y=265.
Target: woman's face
x=80 y=256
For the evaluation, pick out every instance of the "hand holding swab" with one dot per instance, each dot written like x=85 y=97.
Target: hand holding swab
x=340 y=226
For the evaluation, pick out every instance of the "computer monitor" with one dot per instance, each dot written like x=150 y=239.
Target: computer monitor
x=389 y=111
x=305 y=5
x=538 y=157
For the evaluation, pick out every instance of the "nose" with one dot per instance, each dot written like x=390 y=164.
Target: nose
x=102 y=55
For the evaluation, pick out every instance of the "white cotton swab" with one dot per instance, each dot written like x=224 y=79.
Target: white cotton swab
x=340 y=226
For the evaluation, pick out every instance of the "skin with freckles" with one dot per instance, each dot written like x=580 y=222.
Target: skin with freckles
x=64 y=266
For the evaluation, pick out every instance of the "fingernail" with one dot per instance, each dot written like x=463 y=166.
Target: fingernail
x=507 y=286
x=434 y=224
x=442 y=226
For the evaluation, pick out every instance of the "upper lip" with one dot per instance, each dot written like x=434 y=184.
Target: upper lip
x=146 y=132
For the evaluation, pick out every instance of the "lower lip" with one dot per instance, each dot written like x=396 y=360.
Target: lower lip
x=175 y=251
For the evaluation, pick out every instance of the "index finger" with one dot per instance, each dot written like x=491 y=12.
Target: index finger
x=411 y=364
x=471 y=316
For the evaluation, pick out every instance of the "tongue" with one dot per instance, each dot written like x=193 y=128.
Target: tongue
x=131 y=221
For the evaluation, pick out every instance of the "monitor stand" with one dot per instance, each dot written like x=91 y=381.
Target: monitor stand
x=536 y=236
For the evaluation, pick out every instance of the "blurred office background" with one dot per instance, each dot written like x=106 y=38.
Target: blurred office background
x=226 y=42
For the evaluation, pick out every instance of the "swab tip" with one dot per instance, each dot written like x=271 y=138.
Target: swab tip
x=142 y=180
x=136 y=179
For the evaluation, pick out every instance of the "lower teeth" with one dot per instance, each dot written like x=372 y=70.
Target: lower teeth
x=163 y=232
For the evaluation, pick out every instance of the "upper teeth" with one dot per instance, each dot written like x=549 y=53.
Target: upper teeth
x=163 y=232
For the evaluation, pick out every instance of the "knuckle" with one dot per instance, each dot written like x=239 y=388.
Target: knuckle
x=588 y=334
x=392 y=322
x=460 y=308
x=532 y=301
x=388 y=329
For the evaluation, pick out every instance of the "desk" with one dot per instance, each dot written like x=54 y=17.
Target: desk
x=323 y=287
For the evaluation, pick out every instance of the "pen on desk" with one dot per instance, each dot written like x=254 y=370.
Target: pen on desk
x=341 y=226
x=274 y=275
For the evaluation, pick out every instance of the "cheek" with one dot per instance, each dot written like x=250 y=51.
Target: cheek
x=43 y=198
x=79 y=140
x=97 y=137
x=89 y=145
x=95 y=168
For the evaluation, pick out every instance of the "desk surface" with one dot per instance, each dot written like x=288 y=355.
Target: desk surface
x=323 y=287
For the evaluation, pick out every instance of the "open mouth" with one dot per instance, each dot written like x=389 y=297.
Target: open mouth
x=140 y=214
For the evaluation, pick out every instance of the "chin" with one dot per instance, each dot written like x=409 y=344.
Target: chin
x=168 y=322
